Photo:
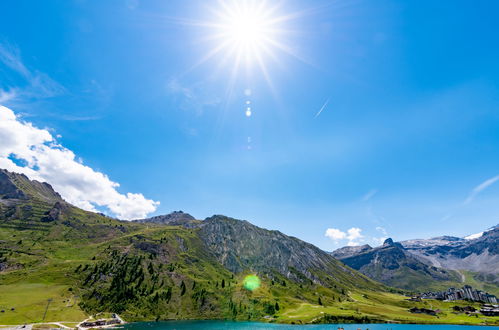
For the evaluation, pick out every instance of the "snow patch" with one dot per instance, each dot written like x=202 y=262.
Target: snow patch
x=474 y=236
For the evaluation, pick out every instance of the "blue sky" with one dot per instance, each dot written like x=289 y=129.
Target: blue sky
x=407 y=145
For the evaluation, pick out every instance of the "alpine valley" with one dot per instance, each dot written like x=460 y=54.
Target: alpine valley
x=430 y=264
x=59 y=263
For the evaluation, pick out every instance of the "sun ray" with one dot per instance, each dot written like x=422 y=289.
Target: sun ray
x=243 y=36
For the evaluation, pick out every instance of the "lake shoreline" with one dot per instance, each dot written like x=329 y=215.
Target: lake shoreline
x=131 y=325
x=225 y=324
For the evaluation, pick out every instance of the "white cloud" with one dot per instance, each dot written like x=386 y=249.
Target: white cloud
x=353 y=235
x=482 y=186
x=46 y=160
x=335 y=234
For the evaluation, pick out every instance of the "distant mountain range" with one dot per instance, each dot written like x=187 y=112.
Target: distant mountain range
x=479 y=254
x=58 y=262
x=438 y=262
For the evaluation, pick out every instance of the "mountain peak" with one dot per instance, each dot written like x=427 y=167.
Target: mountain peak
x=19 y=187
x=348 y=251
x=388 y=241
x=173 y=218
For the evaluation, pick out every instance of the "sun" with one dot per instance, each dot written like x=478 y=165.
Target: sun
x=246 y=33
x=244 y=40
x=246 y=28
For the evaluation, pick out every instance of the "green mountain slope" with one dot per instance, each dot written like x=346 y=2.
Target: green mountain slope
x=60 y=263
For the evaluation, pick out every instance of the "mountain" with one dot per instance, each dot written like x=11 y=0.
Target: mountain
x=425 y=264
x=176 y=218
x=479 y=255
x=165 y=267
x=393 y=265
x=58 y=262
x=239 y=246
x=17 y=187
x=348 y=251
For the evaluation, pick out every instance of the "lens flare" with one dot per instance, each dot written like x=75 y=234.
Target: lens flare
x=251 y=282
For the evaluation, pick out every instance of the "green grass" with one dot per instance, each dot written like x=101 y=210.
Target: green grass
x=384 y=306
x=30 y=300
x=74 y=264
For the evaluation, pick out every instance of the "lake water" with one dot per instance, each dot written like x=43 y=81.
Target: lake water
x=215 y=325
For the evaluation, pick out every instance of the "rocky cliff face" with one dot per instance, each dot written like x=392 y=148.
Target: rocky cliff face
x=241 y=246
x=8 y=190
x=479 y=255
x=349 y=251
x=176 y=218
x=27 y=200
x=16 y=186
x=393 y=265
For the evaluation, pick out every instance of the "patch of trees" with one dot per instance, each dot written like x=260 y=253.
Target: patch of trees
x=328 y=318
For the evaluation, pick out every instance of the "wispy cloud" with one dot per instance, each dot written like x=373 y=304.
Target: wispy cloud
x=44 y=159
x=37 y=84
x=7 y=95
x=79 y=118
x=381 y=230
x=446 y=217
x=384 y=235
x=195 y=97
x=11 y=57
x=370 y=194
x=322 y=108
x=481 y=187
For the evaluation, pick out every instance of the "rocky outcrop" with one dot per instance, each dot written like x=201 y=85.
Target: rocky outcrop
x=56 y=212
x=8 y=190
x=419 y=262
x=393 y=265
x=479 y=255
x=17 y=186
x=349 y=251
x=176 y=218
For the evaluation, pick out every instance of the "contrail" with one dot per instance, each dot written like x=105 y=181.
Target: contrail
x=323 y=107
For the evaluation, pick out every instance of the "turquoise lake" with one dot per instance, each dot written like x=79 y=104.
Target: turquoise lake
x=215 y=325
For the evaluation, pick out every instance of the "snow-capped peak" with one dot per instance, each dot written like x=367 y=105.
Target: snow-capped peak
x=474 y=236
x=478 y=235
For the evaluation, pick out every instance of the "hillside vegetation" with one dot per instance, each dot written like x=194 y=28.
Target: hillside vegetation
x=60 y=263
